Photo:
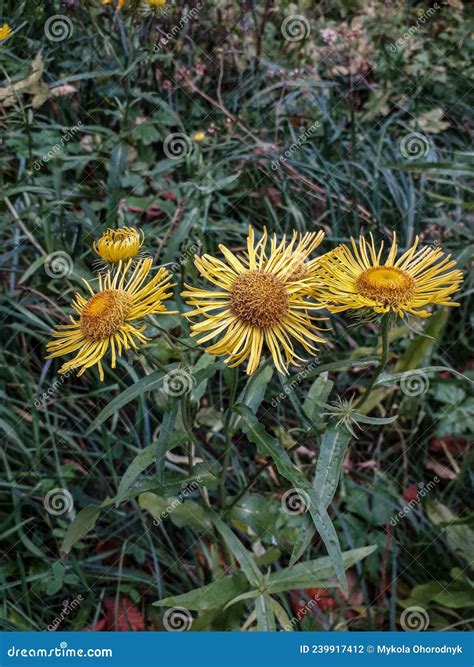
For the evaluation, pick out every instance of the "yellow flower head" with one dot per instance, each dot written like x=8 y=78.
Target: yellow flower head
x=5 y=32
x=157 y=3
x=119 y=245
x=105 y=318
x=355 y=278
x=199 y=137
x=120 y=3
x=257 y=302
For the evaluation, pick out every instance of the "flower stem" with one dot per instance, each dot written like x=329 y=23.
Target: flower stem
x=382 y=363
x=228 y=435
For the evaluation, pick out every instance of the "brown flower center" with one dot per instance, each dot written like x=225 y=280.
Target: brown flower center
x=105 y=313
x=386 y=285
x=259 y=298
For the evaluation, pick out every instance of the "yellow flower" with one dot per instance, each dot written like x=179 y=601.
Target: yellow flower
x=199 y=136
x=5 y=32
x=351 y=279
x=119 y=245
x=105 y=317
x=157 y=3
x=120 y=3
x=257 y=302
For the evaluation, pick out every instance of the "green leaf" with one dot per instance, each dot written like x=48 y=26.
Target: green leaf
x=82 y=524
x=380 y=421
x=265 y=615
x=167 y=426
x=303 y=540
x=137 y=466
x=270 y=447
x=116 y=169
x=212 y=596
x=147 y=383
x=396 y=377
x=203 y=370
x=421 y=347
x=180 y=512
x=267 y=445
x=281 y=616
x=316 y=397
x=363 y=362
x=246 y=561
x=254 y=393
x=455 y=599
x=313 y=573
x=328 y=534
x=331 y=454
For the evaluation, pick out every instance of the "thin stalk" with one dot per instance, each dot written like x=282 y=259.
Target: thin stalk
x=228 y=434
x=383 y=361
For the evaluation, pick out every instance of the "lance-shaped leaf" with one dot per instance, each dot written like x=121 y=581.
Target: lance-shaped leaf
x=270 y=447
x=313 y=573
x=147 y=383
x=328 y=468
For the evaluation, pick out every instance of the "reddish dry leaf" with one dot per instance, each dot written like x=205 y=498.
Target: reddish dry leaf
x=127 y=618
x=441 y=470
